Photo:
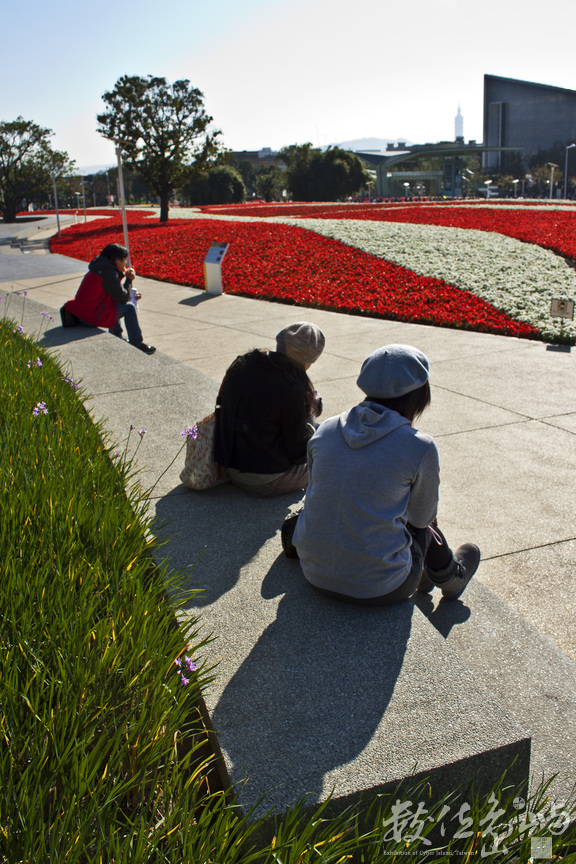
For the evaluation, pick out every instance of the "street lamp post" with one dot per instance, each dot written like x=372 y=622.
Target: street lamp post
x=515 y=183
x=552 y=166
x=56 y=204
x=569 y=147
x=122 y=198
x=83 y=198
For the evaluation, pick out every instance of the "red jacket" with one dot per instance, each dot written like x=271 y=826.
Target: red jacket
x=99 y=292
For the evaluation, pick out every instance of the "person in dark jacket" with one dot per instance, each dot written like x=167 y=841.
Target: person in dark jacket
x=105 y=297
x=266 y=414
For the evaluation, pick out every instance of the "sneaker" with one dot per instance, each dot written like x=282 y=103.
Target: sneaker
x=426 y=585
x=147 y=349
x=468 y=558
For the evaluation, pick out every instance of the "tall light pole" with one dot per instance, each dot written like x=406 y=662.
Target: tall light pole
x=552 y=166
x=83 y=198
x=122 y=198
x=569 y=147
x=56 y=204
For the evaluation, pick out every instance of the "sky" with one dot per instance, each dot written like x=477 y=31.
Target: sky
x=280 y=72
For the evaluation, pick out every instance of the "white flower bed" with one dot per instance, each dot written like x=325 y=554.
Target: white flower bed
x=518 y=278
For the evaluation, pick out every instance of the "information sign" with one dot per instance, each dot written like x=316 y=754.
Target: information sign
x=562 y=308
x=213 y=267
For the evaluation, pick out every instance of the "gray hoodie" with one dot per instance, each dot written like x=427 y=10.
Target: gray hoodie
x=370 y=473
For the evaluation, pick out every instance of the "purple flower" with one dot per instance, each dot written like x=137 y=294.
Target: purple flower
x=39 y=409
x=186 y=667
x=47 y=315
x=189 y=432
x=19 y=329
x=142 y=432
x=190 y=665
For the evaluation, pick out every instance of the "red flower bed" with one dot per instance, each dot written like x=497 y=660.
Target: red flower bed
x=292 y=265
x=551 y=229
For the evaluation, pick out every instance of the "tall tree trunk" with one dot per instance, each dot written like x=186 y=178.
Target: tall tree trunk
x=164 y=202
x=9 y=208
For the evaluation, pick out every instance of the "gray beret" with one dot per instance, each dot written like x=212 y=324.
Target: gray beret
x=393 y=371
x=302 y=342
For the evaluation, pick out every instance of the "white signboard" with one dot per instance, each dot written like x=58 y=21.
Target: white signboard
x=562 y=308
x=213 y=267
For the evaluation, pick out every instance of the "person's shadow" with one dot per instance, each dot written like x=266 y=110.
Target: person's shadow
x=310 y=695
x=211 y=536
x=64 y=335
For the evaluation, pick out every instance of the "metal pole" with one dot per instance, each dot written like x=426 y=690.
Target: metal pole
x=569 y=147
x=552 y=166
x=122 y=199
x=83 y=199
x=56 y=204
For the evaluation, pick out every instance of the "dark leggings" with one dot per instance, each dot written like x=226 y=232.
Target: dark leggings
x=429 y=547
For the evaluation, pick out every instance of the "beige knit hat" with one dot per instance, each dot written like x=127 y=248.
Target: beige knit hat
x=302 y=342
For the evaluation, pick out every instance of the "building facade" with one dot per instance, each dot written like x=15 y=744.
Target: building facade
x=525 y=116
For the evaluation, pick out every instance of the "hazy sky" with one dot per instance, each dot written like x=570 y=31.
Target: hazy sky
x=277 y=72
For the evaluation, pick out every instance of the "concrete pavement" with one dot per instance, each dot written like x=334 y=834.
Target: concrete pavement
x=495 y=669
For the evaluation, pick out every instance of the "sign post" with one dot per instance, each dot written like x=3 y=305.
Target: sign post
x=562 y=309
x=213 y=267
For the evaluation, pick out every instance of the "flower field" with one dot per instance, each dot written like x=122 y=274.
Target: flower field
x=483 y=268
x=547 y=226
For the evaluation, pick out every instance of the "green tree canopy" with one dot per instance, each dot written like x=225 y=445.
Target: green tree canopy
x=221 y=185
x=27 y=165
x=270 y=182
x=322 y=175
x=162 y=129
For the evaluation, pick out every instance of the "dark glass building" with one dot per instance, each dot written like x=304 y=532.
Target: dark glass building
x=526 y=116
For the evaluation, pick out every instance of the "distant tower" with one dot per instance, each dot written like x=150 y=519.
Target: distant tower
x=459 y=125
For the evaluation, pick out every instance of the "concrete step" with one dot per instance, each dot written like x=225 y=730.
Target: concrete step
x=312 y=696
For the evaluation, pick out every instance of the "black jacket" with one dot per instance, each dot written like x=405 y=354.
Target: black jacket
x=262 y=424
x=111 y=279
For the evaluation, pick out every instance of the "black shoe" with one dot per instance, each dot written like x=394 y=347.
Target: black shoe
x=147 y=349
x=67 y=318
x=468 y=558
x=286 y=534
x=426 y=585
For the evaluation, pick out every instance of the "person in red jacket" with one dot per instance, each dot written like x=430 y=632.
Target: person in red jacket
x=104 y=297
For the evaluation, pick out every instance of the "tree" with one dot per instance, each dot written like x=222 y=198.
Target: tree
x=317 y=175
x=27 y=165
x=221 y=185
x=161 y=129
x=270 y=182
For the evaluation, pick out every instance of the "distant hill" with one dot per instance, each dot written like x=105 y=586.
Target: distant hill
x=88 y=170
x=369 y=143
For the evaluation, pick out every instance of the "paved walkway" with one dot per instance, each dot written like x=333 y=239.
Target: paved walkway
x=503 y=414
